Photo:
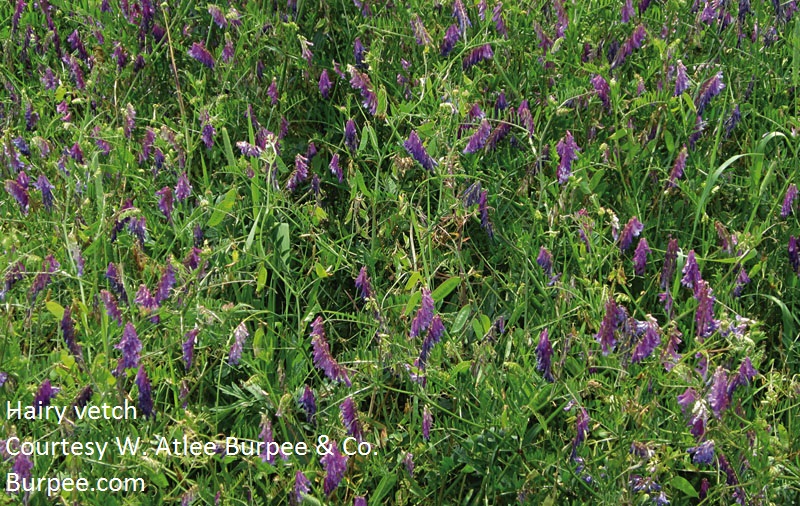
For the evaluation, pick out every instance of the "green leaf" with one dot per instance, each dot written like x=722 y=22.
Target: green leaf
x=320 y=270
x=55 y=309
x=477 y=327
x=684 y=486
x=261 y=280
x=412 y=302
x=224 y=208
x=461 y=319
x=384 y=487
x=226 y=140
x=669 y=141
x=413 y=280
x=283 y=241
x=445 y=288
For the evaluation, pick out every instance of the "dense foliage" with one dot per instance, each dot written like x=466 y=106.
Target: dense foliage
x=539 y=251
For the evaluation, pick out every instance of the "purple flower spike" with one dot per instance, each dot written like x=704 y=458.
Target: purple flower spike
x=239 y=337
x=43 y=185
x=301 y=487
x=704 y=317
x=13 y=275
x=322 y=354
x=350 y=136
x=350 y=418
x=605 y=335
x=218 y=16
x=267 y=454
x=703 y=453
x=299 y=174
x=670 y=357
x=145 y=395
x=20 y=193
x=483 y=208
x=145 y=299
x=325 y=84
x=670 y=259
x=687 y=399
x=451 y=36
x=525 y=117
x=336 y=170
x=358 y=52
x=477 y=55
x=681 y=79
x=742 y=279
x=478 y=140
x=718 y=396
x=188 y=347
x=499 y=23
x=544 y=353
x=649 y=342
x=794 y=254
x=361 y=82
x=131 y=347
x=678 y=167
x=114 y=280
x=567 y=152
x=363 y=284
x=421 y=35
x=45 y=394
x=183 y=188
x=460 y=13
x=545 y=261
x=433 y=336
x=691 y=272
x=602 y=89
x=40 y=282
x=427 y=422
x=415 y=148
x=308 y=403
x=165 y=202
x=581 y=428
x=408 y=461
x=360 y=501
x=708 y=90
x=788 y=201
x=640 y=257
x=632 y=229
x=335 y=465
x=201 y=54
x=424 y=316
x=627 y=11
x=165 y=284
x=22 y=468
x=68 y=331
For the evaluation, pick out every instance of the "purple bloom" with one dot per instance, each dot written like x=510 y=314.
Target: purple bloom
x=207 y=134
x=360 y=501
x=499 y=132
x=627 y=11
x=336 y=170
x=732 y=120
x=483 y=208
x=525 y=117
x=188 y=347
x=794 y=254
x=602 y=89
x=184 y=188
x=681 y=79
x=363 y=284
x=566 y=149
x=671 y=349
x=42 y=279
x=741 y=280
x=704 y=317
x=165 y=202
x=471 y=195
x=427 y=422
x=420 y=33
x=361 y=82
x=22 y=468
x=408 y=462
x=691 y=272
x=165 y=284
x=131 y=347
x=708 y=90
x=68 y=331
x=43 y=185
x=322 y=354
x=350 y=136
x=268 y=454
x=640 y=257
x=477 y=55
x=358 y=53
x=145 y=396
x=335 y=465
x=651 y=340
x=703 y=453
x=201 y=54
x=145 y=299
x=228 y=50
x=433 y=336
x=325 y=84
x=581 y=428
x=415 y=148
x=350 y=418
x=19 y=193
x=218 y=16
x=450 y=38
x=460 y=13
x=308 y=403
x=634 y=42
x=424 y=316
x=45 y=394
x=114 y=280
x=718 y=395
x=678 y=167
x=605 y=335
x=240 y=334
x=499 y=23
x=687 y=399
x=478 y=140
x=632 y=229
x=248 y=149
x=136 y=226
x=299 y=174
x=544 y=353
x=545 y=261
x=301 y=487
x=788 y=201
x=670 y=259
